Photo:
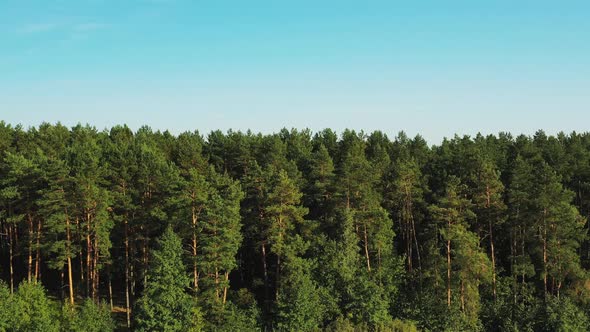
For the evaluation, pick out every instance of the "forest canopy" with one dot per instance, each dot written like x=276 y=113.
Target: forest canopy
x=292 y=231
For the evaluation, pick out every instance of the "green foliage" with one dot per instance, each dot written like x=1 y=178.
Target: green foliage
x=31 y=310
x=220 y=238
x=238 y=319
x=293 y=231
x=299 y=304
x=88 y=317
x=563 y=315
x=344 y=325
x=6 y=309
x=165 y=305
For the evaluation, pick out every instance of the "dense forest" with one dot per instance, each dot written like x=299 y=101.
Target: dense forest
x=292 y=231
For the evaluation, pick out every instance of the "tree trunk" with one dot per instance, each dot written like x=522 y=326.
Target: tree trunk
x=89 y=271
x=61 y=278
x=195 y=269
x=217 y=295
x=544 y=234
x=70 y=281
x=493 y=261
x=449 y=269
x=69 y=258
x=110 y=292
x=417 y=247
x=491 y=231
x=30 y=253
x=79 y=231
x=277 y=282
x=367 y=249
x=11 y=256
x=95 y=271
x=225 y=287
x=265 y=271
x=127 y=302
x=523 y=252
x=38 y=254
x=145 y=257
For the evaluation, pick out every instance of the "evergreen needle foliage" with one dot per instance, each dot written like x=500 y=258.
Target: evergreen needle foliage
x=293 y=231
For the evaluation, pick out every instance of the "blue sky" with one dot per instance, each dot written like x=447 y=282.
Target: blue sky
x=431 y=67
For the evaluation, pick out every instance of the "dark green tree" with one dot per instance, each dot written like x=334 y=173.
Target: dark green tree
x=165 y=305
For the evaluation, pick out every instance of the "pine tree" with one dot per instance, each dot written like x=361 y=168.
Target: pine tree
x=92 y=203
x=11 y=198
x=559 y=228
x=283 y=214
x=190 y=204
x=520 y=218
x=57 y=210
x=299 y=305
x=121 y=171
x=165 y=305
x=220 y=238
x=489 y=208
x=32 y=310
x=320 y=188
x=406 y=199
x=467 y=265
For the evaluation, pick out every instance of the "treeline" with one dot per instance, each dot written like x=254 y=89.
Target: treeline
x=293 y=231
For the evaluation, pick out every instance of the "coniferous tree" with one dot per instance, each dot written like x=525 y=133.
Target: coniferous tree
x=165 y=305
x=466 y=264
x=283 y=213
x=92 y=203
x=32 y=310
x=310 y=243
x=221 y=238
x=57 y=210
x=489 y=209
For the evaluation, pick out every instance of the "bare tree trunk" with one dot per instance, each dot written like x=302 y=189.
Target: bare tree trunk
x=69 y=258
x=225 y=287
x=95 y=274
x=491 y=231
x=367 y=248
x=38 y=254
x=513 y=252
x=70 y=280
x=449 y=270
x=79 y=231
x=195 y=269
x=265 y=271
x=217 y=296
x=30 y=256
x=560 y=269
x=145 y=258
x=545 y=251
x=493 y=261
x=11 y=256
x=110 y=292
x=416 y=242
x=127 y=302
x=407 y=232
x=63 y=283
x=277 y=282
x=88 y=257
